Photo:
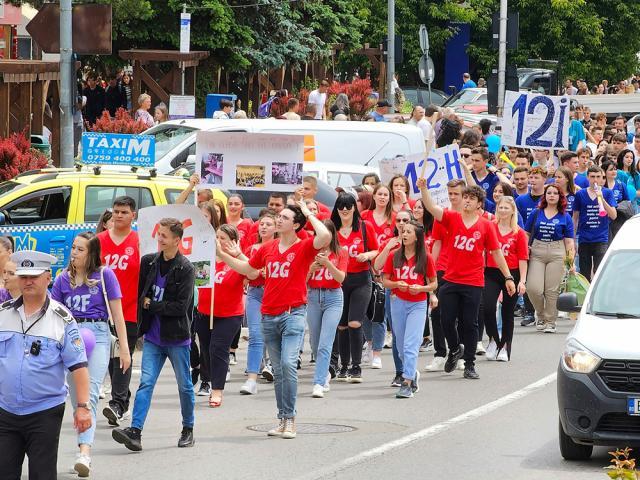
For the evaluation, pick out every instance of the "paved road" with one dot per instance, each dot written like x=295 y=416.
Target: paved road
x=504 y=424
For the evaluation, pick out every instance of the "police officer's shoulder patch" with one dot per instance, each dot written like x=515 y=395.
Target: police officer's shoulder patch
x=7 y=304
x=63 y=313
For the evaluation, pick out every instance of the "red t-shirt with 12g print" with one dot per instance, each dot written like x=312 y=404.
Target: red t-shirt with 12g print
x=466 y=248
x=322 y=277
x=285 y=285
x=407 y=274
x=384 y=231
x=354 y=245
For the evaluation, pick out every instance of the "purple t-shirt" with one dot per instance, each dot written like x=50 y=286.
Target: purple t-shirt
x=84 y=301
x=4 y=295
x=153 y=334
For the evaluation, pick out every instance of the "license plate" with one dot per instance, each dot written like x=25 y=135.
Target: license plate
x=633 y=406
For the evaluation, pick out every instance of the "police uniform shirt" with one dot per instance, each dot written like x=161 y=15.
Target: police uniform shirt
x=34 y=353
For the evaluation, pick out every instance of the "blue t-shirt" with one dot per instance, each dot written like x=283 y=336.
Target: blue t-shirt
x=488 y=183
x=592 y=228
x=378 y=117
x=490 y=207
x=571 y=197
x=469 y=84
x=581 y=180
x=576 y=133
x=558 y=227
x=526 y=204
x=620 y=191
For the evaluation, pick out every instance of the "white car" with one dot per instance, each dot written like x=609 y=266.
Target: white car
x=339 y=174
x=599 y=372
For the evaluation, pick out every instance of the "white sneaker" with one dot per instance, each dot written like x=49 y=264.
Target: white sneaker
x=367 y=355
x=318 y=391
x=550 y=329
x=480 y=348
x=327 y=384
x=83 y=465
x=502 y=355
x=102 y=393
x=460 y=365
x=540 y=326
x=376 y=363
x=228 y=377
x=388 y=340
x=436 y=365
x=250 y=387
x=492 y=350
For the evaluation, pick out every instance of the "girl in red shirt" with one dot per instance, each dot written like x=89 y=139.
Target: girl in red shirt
x=380 y=215
x=235 y=210
x=410 y=274
x=228 y=310
x=324 y=309
x=399 y=185
x=358 y=238
x=515 y=248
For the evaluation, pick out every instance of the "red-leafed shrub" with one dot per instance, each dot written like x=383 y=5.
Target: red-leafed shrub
x=122 y=123
x=17 y=156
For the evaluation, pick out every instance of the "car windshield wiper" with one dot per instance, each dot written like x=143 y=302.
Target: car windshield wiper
x=616 y=314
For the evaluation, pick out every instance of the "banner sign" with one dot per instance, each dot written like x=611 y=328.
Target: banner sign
x=185 y=32
x=118 y=149
x=535 y=121
x=250 y=161
x=198 y=241
x=182 y=106
x=442 y=165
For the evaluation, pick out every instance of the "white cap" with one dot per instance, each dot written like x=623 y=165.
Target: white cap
x=32 y=263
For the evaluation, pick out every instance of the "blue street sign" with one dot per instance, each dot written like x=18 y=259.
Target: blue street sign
x=118 y=149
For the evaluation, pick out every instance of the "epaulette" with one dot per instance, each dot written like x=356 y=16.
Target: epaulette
x=63 y=313
x=7 y=304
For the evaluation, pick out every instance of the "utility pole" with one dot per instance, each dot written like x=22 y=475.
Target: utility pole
x=502 y=55
x=67 y=74
x=391 y=51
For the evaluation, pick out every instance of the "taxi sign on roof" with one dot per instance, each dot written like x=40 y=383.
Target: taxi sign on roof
x=118 y=149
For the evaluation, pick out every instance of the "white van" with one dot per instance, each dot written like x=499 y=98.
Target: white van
x=360 y=143
x=339 y=174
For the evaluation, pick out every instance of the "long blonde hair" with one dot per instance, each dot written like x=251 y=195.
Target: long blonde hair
x=514 y=214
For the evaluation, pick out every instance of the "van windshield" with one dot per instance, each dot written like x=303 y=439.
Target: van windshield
x=169 y=136
x=616 y=292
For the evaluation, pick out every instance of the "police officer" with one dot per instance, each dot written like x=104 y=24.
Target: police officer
x=39 y=341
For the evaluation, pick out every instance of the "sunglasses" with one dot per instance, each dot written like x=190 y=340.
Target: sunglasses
x=402 y=220
x=345 y=207
x=465 y=155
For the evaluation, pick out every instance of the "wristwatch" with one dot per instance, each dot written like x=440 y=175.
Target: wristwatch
x=83 y=405
x=509 y=278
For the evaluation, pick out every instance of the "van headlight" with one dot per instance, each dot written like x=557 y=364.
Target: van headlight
x=576 y=358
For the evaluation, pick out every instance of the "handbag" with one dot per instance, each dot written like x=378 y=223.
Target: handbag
x=533 y=227
x=375 y=309
x=115 y=342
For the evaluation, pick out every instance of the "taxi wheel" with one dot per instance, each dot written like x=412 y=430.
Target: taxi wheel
x=571 y=450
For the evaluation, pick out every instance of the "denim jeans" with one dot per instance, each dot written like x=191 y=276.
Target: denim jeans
x=98 y=366
x=408 y=326
x=397 y=361
x=254 y=321
x=282 y=335
x=375 y=331
x=323 y=315
x=153 y=358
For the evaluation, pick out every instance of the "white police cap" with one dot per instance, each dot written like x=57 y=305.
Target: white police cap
x=32 y=263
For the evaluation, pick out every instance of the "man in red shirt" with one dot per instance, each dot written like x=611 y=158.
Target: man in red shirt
x=308 y=191
x=286 y=261
x=120 y=251
x=468 y=237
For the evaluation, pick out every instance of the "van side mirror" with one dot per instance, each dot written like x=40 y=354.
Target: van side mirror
x=568 y=302
x=3 y=219
x=191 y=159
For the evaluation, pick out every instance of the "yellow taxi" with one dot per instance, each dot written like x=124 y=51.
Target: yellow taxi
x=45 y=209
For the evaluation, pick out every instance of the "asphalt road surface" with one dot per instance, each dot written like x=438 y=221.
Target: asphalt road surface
x=501 y=426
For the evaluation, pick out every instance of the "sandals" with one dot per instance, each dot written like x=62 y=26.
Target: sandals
x=214 y=403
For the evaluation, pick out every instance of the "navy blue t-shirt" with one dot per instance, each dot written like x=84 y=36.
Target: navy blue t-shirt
x=526 y=204
x=571 y=197
x=592 y=228
x=581 y=180
x=620 y=191
x=488 y=183
x=559 y=227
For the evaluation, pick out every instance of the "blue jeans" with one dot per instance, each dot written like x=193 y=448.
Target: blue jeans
x=375 y=331
x=153 y=358
x=397 y=361
x=323 y=315
x=98 y=366
x=282 y=334
x=254 y=321
x=408 y=327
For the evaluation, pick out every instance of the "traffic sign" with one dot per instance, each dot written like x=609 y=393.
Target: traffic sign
x=91 y=29
x=424 y=40
x=426 y=69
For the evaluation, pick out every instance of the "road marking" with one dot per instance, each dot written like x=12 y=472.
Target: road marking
x=432 y=430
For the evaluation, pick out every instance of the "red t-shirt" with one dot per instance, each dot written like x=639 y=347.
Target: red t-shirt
x=407 y=274
x=440 y=233
x=124 y=260
x=514 y=246
x=286 y=281
x=324 y=212
x=322 y=277
x=466 y=248
x=383 y=232
x=228 y=298
x=252 y=237
x=354 y=245
x=244 y=227
x=249 y=251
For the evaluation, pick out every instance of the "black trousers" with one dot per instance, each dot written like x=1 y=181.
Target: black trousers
x=461 y=302
x=224 y=330
x=201 y=326
x=120 y=393
x=36 y=435
x=356 y=289
x=493 y=285
x=589 y=256
x=439 y=344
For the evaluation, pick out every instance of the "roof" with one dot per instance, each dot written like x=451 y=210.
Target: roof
x=105 y=173
x=627 y=237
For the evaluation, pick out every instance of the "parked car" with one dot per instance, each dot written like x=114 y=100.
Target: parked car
x=599 y=372
x=45 y=209
x=469 y=100
x=420 y=96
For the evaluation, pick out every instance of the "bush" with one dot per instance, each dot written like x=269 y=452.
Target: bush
x=122 y=123
x=359 y=92
x=17 y=156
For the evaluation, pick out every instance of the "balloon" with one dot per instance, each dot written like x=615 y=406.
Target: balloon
x=89 y=340
x=493 y=143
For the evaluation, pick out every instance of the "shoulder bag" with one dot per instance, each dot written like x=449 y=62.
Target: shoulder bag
x=115 y=342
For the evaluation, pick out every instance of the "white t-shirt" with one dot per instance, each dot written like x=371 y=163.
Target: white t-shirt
x=318 y=99
x=423 y=125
